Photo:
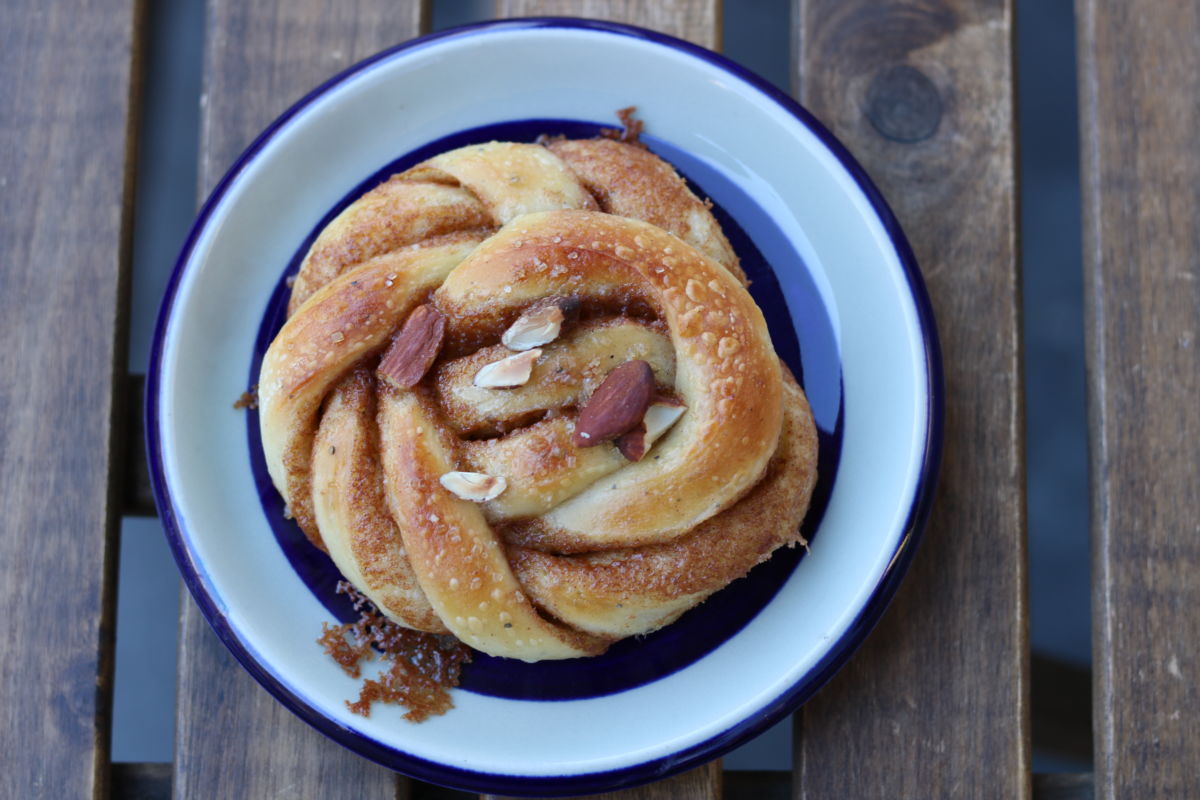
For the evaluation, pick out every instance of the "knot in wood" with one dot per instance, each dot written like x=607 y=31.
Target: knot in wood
x=903 y=104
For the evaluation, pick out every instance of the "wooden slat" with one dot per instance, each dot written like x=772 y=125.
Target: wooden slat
x=698 y=21
x=67 y=125
x=936 y=703
x=702 y=783
x=153 y=782
x=232 y=738
x=1139 y=81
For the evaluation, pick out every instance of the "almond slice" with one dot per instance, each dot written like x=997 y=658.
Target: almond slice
x=414 y=348
x=541 y=323
x=508 y=372
x=659 y=417
x=617 y=405
x=474 y=486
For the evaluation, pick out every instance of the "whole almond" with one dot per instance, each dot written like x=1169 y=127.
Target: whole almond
x=414 y=348
x=617 y=405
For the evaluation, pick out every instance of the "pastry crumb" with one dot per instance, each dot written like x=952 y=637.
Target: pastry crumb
x=247 y=399
x=421 y=667
x=631 y=128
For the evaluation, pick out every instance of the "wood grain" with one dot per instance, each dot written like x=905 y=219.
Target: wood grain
x=702 y=783
x=232 y=738
x=697 y=21
x=153 y=782
x=67 y=126
x=936 y=703
x=1139 y=79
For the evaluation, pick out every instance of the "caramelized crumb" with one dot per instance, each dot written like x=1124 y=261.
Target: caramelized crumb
x=422 y=667
x=334 y=639
x=632 y=128
x=248 y=399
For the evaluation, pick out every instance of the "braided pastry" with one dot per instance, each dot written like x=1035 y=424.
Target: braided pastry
x=463 y=405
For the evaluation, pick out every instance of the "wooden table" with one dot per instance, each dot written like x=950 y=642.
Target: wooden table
x=937 y=704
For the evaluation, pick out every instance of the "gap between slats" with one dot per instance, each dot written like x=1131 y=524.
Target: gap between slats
x=922 y=94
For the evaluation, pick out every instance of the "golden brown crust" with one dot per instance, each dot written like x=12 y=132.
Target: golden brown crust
x=630 y=181
x=398 y=213
x=459 y=560
x=623 y=592
x=542 y=466
x=726 y=371
x=583 y=545
x=513 y=179
x=351 y=509
x=345 y=320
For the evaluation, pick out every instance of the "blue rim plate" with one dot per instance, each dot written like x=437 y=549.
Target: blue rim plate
x=846 y=306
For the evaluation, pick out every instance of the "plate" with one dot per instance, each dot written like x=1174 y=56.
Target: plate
x=846 y=307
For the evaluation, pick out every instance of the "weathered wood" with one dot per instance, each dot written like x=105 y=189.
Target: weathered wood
x=153 y=782
x=936 y=703
x=697 y=21
x=232 y=738
x=1139 y=79
x=702 y=783
x=68 y=118
x=777 y=785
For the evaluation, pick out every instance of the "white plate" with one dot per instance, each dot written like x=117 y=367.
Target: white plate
x=847 y=291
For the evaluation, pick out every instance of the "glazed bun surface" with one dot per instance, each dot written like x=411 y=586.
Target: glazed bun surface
x=523 y=397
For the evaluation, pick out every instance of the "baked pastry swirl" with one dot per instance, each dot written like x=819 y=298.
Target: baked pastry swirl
x=462 y=406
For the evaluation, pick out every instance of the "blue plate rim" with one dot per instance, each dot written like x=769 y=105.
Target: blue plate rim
x=198 y=584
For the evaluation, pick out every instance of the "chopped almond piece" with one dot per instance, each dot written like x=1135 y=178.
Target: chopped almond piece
x=414 y=348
